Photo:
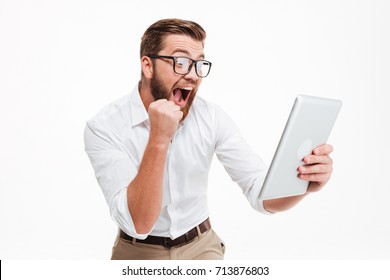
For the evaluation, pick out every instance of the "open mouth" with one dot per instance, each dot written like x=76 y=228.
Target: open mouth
x=180 y=95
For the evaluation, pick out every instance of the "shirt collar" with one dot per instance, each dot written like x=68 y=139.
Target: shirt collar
x=137 y=108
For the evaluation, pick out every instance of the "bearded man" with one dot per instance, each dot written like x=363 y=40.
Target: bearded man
x=152 y=150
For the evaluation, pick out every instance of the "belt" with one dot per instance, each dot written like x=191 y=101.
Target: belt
x=167 y=242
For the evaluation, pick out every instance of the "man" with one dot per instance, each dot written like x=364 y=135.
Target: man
x=152 y=151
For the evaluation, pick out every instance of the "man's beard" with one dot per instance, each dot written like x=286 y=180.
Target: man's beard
x=160 y=92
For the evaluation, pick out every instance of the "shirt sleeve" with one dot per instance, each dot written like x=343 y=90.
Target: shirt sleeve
x=242 y=164
x=114 y=170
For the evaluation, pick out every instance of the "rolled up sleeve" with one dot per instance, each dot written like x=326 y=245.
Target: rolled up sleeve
x=114 y=170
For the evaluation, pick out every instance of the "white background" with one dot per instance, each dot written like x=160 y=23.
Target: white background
x=61 y=61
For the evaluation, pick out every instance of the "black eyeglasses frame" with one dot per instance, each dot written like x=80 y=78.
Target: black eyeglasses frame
x=194 y=62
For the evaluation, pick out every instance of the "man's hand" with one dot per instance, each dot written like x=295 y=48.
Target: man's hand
x=318 y=168
x=164 y=118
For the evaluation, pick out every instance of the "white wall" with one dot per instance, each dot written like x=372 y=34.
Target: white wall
x=61 y=61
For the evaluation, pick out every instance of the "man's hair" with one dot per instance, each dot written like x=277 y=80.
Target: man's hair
x=153 y=38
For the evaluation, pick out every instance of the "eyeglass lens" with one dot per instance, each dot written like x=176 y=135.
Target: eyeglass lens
x=183 y=64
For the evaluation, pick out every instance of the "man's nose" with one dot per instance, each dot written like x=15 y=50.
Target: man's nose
x=192 y=74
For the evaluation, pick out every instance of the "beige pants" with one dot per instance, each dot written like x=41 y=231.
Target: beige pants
x=207 y=246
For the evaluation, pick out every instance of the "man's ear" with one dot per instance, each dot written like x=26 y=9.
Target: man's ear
x=147 y=67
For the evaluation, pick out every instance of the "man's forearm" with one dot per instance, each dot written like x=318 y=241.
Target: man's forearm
x=144 y=194
x=282 y=204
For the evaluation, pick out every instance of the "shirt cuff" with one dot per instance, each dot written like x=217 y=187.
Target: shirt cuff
x=253 y=196
x=120 y=214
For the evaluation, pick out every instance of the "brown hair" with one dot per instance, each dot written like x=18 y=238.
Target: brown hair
x=152 y=40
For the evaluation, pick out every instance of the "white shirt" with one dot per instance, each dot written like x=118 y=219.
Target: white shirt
x=115 y=141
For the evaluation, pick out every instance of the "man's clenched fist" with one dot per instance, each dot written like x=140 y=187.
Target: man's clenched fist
x=164 y=119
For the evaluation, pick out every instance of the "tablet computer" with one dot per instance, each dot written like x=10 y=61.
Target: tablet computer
x=308 y=126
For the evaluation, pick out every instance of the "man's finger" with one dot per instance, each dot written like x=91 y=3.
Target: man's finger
x=319 y=178
x=158 y=101
x=311 y=159
x=174 y=107
x=179 y=114
x=324 y=149
x=315 y=169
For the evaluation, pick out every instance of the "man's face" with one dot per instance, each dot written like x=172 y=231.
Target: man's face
x=165 y=83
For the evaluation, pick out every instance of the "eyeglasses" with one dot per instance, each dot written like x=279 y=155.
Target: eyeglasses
x=182 y=65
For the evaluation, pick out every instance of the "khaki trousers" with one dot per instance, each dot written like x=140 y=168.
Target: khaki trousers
x=206 y=246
